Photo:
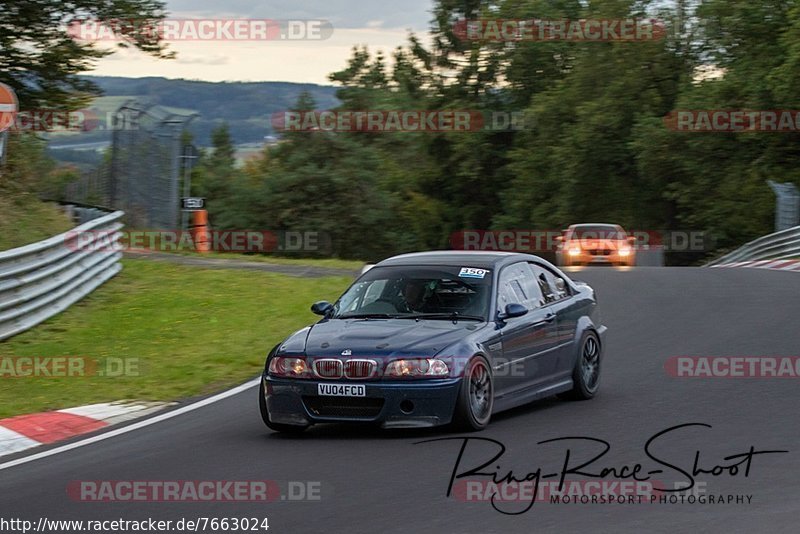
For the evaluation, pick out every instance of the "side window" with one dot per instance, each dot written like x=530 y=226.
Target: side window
x=517 y=284
x=552 y=289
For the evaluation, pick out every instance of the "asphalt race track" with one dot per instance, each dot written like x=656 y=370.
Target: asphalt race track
x=377 y=481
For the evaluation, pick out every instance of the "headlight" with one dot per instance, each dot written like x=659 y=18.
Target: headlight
x=289 y=367
x=624 y=252
x=417 y=368
x=574 y=252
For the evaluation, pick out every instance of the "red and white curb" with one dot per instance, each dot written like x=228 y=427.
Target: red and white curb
x=27 y=431
x=778 y=265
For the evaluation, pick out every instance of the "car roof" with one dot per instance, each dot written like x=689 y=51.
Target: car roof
x=479 y=259
x=595 y=224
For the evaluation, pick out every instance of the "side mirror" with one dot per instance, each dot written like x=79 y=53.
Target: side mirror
x=322 y=307
x=512 y=310
x=631 y=240
x=560 y=238
x=561 y=285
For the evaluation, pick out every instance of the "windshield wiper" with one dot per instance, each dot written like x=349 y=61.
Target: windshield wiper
x=365 y=316
x=453 y=316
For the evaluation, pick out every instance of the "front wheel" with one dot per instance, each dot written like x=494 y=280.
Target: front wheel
x=586 y=374
x=475 y=397
x=277 y=427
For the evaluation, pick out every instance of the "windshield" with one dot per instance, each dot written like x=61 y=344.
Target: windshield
x=596 y=232
x=435 y=292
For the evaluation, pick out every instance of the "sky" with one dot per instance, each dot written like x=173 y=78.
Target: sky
x=382 y=25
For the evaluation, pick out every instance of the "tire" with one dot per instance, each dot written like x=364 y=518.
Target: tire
x=586 y=373
x=475 y=397
x=277 y=427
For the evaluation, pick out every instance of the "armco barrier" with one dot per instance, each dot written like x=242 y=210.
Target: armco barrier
x=780 y=245
x=43 y=279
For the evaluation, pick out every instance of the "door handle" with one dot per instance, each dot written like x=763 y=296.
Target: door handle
x=549 y=318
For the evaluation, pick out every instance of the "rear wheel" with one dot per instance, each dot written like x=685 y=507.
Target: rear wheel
x=586 y=374
x=277 y=427
x=475 y=397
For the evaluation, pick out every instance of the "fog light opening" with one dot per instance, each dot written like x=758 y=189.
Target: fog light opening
x=406 y=406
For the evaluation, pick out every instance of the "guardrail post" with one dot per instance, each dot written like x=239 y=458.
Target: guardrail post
x=787 y=206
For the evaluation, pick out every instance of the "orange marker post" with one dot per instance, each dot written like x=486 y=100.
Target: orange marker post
x=199 y=230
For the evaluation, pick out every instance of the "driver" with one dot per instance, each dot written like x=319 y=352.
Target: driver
x=414 y=294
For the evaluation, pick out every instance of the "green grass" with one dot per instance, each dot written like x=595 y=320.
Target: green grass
x=192 y=331
x=334 y=263
x=24 y=219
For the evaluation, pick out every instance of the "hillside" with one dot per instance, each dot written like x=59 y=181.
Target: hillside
x=245 y=106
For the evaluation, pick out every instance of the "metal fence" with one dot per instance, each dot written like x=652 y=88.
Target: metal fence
x=42 y=279
x=780 y=245
x=146 y=163
x=141 y=176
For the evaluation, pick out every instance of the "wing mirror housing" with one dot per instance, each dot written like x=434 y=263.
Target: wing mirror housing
x=561 y=285
x=323 y=308
x=512 y=310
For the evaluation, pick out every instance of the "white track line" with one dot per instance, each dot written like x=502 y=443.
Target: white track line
x=135 y=426
x=774 y=265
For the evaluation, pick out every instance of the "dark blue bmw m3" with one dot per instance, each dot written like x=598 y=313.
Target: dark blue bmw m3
x=434 y=338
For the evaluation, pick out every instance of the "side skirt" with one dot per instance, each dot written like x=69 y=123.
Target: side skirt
x=525 y=396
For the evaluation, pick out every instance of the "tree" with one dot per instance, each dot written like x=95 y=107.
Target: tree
x=229 y=191
x=42 y=62
x=717 y=181
x=223 y=154
x=594 y=145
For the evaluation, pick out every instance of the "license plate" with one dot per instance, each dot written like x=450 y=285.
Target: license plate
x=342 y=390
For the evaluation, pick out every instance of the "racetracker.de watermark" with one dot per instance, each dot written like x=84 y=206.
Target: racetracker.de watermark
x=733 y=120
x=61 y=120
x=193 y=490
x=392 y=121
x=538 y=241
x=56 y=120
x=603 y=491
x=582 y=30
x=733 y=366
x=67 y=367
x=407 y=368
x=221 y=29
x=241 y=241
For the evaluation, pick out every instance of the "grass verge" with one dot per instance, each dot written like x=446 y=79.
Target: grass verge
x=333 y=263
x=25 y=219
x=187 y=331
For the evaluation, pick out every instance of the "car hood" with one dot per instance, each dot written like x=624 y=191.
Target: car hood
x=591 y=243
x=379 y=337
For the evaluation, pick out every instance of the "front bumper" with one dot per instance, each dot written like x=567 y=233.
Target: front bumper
x=587 y=258
x=601 y=331
x=400 y=404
